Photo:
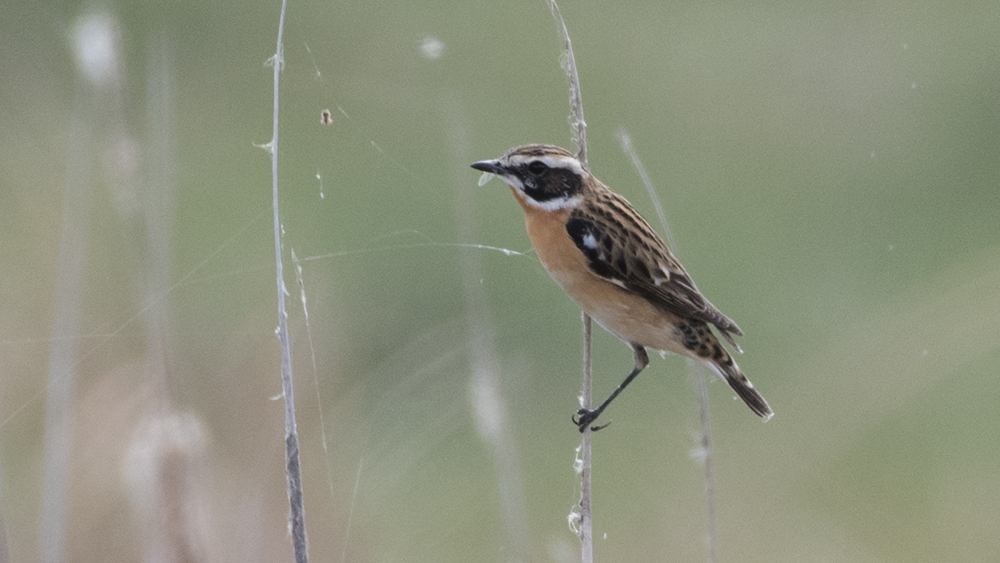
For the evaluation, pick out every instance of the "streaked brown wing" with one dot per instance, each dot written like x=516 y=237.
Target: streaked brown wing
x=622 y=248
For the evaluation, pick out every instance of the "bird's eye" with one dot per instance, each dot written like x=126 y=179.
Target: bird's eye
x=537 y=168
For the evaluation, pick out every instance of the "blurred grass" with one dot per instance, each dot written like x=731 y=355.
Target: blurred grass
x=830 y=173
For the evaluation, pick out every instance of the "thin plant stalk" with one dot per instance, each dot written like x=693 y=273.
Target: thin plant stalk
x=296 y=512
x=486 y=392
x=578 y=127
x=696 y=369
x=165 y=449
x=65 y=328
x=586 y=399
x=158 y=191
x=98 y=82
x=700 y=379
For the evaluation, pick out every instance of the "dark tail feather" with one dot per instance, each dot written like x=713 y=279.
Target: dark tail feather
x=729 y=337
x=735 y=378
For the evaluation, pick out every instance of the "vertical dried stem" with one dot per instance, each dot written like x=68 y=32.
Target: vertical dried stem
x=489 y=404
x=626 y=143
x=586 y=524
x=700 y=378
x=578 y=126
x=697 y=369
x=65 y=331
x=296 y=513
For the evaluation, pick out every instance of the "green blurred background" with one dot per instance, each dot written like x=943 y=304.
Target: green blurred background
x=830 y=173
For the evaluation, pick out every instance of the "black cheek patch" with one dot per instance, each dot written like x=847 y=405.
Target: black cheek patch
x=534 y=193
x=553 y=183
x=564 y=182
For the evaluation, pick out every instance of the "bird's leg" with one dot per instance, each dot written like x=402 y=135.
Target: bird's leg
x=584 y=416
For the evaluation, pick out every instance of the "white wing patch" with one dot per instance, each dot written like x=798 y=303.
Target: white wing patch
x=666 y=277
x=589 y=241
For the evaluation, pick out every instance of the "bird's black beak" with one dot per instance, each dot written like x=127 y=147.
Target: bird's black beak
x=490 y=166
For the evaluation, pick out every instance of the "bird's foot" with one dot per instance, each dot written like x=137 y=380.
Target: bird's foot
x=584 y=417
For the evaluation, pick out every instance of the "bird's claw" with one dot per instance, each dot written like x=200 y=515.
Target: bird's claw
x=584 y=417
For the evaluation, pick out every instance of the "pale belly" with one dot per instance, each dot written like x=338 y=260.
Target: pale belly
x=629 y=317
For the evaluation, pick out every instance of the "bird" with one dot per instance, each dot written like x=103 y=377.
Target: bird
x=597 y=248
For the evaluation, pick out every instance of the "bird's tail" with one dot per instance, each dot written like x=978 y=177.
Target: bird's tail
x=727 y=368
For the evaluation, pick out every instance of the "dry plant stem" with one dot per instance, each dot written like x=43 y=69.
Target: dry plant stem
x=578 y=126
x=158 y=190
x=486 y=391
x=700 y=378
x=697 y=369
x=65 y=332
x=164 y=452
x=296 y=513
x=577 y=123
x=586 y=398
x=626 y=142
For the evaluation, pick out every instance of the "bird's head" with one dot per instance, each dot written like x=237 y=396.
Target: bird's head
x=547 y=176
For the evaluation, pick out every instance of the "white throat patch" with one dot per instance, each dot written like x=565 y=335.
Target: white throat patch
x=549 y=205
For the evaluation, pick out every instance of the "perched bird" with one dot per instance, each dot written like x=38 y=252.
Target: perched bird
x=600 y=251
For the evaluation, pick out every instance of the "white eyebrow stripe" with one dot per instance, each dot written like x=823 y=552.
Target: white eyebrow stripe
x=552 y=161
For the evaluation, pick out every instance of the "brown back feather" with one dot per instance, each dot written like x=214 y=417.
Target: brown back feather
x=621 y=247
